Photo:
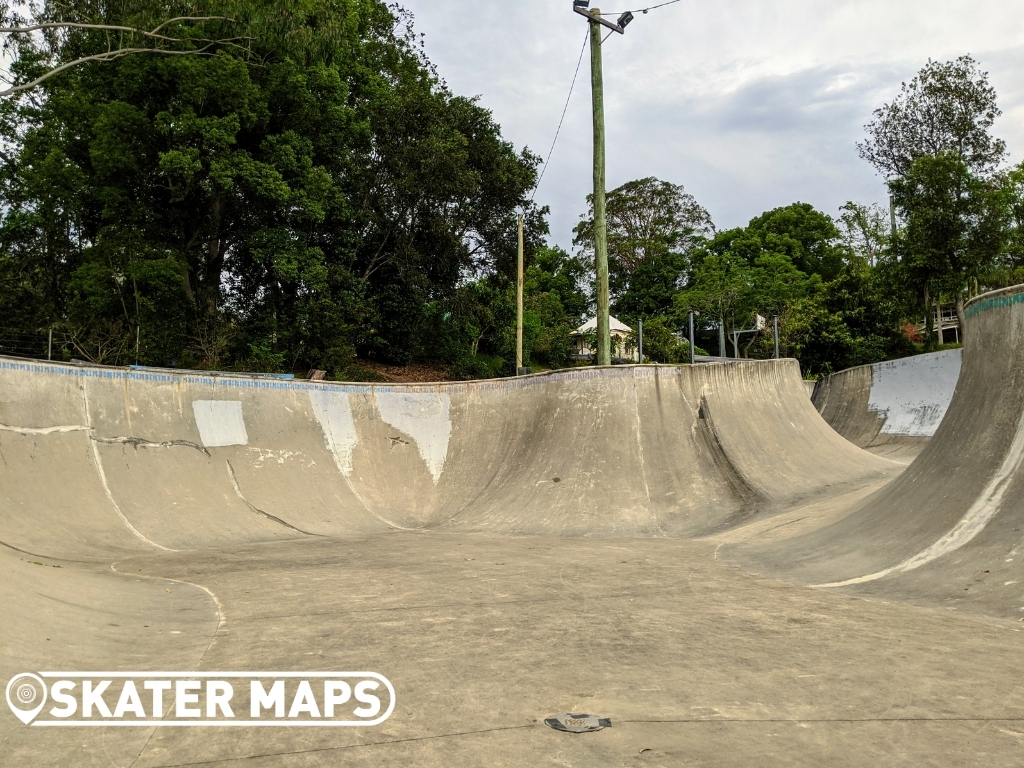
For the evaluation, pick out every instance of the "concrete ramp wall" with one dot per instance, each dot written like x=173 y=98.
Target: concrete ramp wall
x=951 y=528
x=99 y=460
x=891 y=408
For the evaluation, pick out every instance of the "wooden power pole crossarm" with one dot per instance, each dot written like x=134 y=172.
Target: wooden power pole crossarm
x=604 y=354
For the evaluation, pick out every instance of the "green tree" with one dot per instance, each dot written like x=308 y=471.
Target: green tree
x=808 y=237
x=1012 y=186
x=652 y=287
x=865 y=230
x=287 y=202
x=648 y=219
x=662 y=343
x=947 y=107
x=955 y=227
x=721 y=289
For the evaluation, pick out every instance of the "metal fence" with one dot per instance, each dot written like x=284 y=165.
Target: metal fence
x=37 y=344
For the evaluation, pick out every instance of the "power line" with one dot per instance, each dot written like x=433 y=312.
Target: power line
x=564 y=110
x=572 y=87
x=645 y=10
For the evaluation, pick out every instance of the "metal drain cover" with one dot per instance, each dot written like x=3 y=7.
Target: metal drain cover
x=576 y=723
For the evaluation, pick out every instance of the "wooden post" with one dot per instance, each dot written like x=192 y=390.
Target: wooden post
x=604 y=345
x=519 y=304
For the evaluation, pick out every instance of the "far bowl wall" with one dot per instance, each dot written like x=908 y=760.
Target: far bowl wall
x=890 y=408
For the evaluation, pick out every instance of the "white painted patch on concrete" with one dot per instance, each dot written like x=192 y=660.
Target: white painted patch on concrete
x=971 y=524
x=426 y=418
x=913 y=394
x=220 y=423
x=334 y=413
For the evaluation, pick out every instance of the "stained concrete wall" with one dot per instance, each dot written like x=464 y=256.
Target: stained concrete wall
x=890 y=408
x=99 y=459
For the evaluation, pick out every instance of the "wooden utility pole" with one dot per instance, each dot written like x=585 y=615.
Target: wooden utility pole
x=604 y=344
x=519 y=304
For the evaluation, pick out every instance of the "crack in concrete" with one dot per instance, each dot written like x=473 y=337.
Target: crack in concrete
x=139 y=442
x=136 y=442
x=257 y=510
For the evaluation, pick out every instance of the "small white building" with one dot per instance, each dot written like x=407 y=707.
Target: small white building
x=619 y=332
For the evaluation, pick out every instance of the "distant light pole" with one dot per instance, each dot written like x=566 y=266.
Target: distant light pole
x=776 y=322
x=604 y=341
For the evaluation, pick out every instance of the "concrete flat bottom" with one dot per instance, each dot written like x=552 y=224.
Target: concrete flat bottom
x=696 y=662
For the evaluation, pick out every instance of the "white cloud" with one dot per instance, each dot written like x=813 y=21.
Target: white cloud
x=750 y=105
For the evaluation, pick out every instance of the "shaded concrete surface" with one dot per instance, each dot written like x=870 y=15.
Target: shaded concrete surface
x=632 y=542
x=949 y=532
x=701 y=663
x=893 y=408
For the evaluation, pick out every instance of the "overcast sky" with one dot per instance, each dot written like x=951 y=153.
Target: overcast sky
x=749 y=104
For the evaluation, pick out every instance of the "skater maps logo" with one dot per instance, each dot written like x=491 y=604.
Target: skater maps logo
x=198 y=699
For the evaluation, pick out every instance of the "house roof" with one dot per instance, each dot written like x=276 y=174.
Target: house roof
x=613 y=322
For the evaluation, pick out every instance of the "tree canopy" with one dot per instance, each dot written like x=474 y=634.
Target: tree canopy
x=278 y=205
x=647 y=219
x=947 y=107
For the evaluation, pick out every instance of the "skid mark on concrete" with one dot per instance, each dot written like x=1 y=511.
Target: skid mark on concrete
x=971 y=524
x=98 y=461
x=257 y=510
x=220 y=422
x=426 y=418
x=334 y=414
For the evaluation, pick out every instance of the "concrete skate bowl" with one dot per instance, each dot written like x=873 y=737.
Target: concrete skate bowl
x=502 y=551
x=166 y=461
x=892 y=408
x=950 y=530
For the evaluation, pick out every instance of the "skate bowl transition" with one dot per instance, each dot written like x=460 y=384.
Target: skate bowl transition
x=683 y=550
x=893 y=408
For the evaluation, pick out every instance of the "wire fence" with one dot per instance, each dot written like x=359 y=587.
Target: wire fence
x=37 y=344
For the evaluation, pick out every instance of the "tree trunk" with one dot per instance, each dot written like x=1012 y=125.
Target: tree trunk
x=214 y=262
x=749 y=344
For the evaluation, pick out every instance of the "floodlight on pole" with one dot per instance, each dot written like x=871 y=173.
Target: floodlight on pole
x=582 y=7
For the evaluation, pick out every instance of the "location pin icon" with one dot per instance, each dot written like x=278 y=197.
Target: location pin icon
x=23 y=691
